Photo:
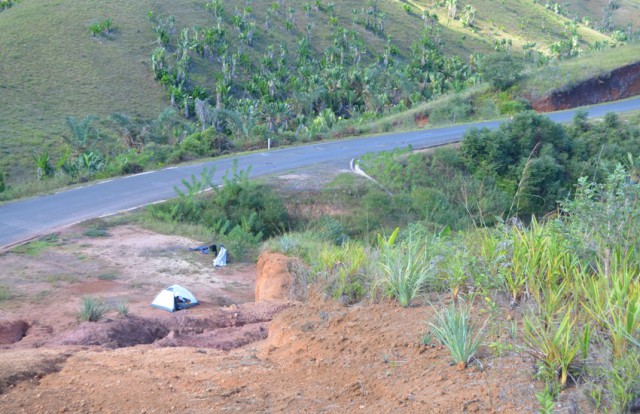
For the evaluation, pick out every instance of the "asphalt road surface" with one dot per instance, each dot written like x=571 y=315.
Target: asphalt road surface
x=25 y=219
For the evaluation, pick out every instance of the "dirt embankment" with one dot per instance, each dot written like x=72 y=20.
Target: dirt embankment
x=620 y=83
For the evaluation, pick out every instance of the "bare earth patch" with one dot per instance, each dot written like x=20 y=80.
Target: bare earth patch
x=229 y=354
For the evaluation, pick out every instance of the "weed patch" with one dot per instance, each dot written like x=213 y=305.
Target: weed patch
x=92 y=310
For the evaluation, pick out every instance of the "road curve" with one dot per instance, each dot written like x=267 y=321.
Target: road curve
x=24 y=219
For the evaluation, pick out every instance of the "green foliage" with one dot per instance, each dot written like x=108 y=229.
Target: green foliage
x=502 y=70
x=434 y=188
x=608 y=215
x=207 y=143
x=190 y=205
x=5 y=293
x=95 y=231
x=101 y=28
x=240 y=213
x=529 y=155
x=332 y=230
x=7 y=4
x=345 y=271
x=453 y=328
x=555 y=345
x=619 y=382
x=92 y=310
x=239 y=197
x=545 y=398
x=455 y=110
x=34 y=248
x=123 y=309
x=44 y=169
x=407 y=268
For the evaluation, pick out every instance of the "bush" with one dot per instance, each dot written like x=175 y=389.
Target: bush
x=95 y=232
x=454 y=110
x=502 y=70
x=92 y=309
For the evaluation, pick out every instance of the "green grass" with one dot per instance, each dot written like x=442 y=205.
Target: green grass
x=627 y=13
x=67 y=72
x=107 y=276
x=522 y=21
x=36 y=247
x=5 y=293
x=96 y=232
x=570 y=72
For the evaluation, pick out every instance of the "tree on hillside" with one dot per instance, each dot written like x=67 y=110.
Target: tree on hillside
x=502 y=70
x=529 y=156
x=452 y=10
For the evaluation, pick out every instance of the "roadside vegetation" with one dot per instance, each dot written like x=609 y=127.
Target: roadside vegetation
x=525 y=242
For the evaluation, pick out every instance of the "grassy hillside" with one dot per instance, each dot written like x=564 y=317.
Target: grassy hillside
x=52 y=67
x=622 y=12
x=570 y=72
x=520 y=21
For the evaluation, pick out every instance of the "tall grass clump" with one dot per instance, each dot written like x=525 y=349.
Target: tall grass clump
x=93 y=309
x=123 y=309
x=453 y=328
x=554 y=345
x=407 y=267
x=345 y=270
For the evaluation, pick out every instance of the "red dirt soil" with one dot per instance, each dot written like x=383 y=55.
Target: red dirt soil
x=270 y=356
x=318 y=357
x=620 y=83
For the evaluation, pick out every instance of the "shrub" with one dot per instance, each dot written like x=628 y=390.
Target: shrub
x=92 y=309
x=103 y=27
x=332 y=230
x=96 y=232
x=452 y=328
x=501 y=69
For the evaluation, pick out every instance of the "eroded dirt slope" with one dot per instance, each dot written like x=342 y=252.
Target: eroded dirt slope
x=319 y=357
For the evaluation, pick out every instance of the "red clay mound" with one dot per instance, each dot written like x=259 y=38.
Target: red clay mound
x=12 y=331
x=273 y=279
x=217 y=328
x=620 y=83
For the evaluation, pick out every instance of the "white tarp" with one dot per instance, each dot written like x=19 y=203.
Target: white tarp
x=174 y=298
x=221 y=259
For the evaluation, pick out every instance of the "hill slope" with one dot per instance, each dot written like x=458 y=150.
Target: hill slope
x=51 y=66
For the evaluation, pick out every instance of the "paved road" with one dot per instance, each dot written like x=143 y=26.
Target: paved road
x=25 y=219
